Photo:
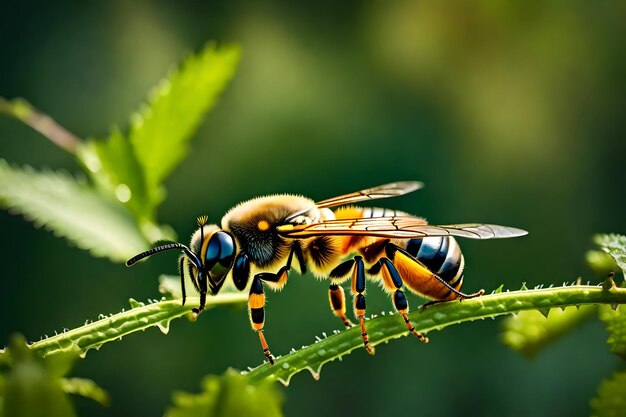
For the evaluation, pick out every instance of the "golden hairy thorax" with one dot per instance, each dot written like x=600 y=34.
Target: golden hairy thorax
x=253 y=224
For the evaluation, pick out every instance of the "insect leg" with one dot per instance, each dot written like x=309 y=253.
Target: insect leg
x=464 y=297
x=358 y=288
x=202 y=279
x=392 y=278
x=337 y=298
x=256 y=308
x=182 y=278
x=421 y=279
x=279 y=279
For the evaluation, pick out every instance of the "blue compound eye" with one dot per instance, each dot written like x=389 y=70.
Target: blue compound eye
x=219 y=256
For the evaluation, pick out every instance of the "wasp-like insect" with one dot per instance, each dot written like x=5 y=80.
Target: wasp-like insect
x=259 y=239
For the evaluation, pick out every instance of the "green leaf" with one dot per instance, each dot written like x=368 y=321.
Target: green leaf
x=611 y=398
x=229 y=395
x=614 y=245
x=161 y=131
x=113 y=166
x=601 y=262
x=32 y=386
x=71 y=209
x=385 y=328
x=85 y=388
x=530 y=331
x=615 y=323
x=140 y=317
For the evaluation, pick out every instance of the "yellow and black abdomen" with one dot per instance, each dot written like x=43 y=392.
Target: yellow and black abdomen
x=438 y=272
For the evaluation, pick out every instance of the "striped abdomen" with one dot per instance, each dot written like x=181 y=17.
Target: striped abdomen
x=441 y=256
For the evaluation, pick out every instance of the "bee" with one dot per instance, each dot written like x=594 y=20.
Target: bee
x=261 y=240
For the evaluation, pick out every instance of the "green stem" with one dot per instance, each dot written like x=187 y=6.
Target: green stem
x=95 y=334
x=384 y=328
x=42 y=123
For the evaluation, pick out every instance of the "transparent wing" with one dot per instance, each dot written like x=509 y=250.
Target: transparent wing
x=393 y=189
x=398 y=227
x=382 y=191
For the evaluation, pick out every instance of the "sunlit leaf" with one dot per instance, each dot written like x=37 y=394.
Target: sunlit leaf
x=71 y=209
x=601 y=262
x=530 y=331
x=615 y=323
x=229 y=395
x=160 y=132
x=614 y=245
x=611 y=398
x=113 y=166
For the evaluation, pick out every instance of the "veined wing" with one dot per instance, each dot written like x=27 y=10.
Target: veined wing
x=393 y=189
x=398 y=227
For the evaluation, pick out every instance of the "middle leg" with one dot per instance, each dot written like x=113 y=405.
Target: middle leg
x=342 y=271
x=393 y=283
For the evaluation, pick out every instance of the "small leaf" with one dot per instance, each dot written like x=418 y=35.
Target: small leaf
x=170 y=286
x=71 y=209
x=611 y=398
x=614 y=245
x=615 y=323
x=530 y=331
x=600 y=261
x=114 y=167
x=160 y=132
x=31 y=390
x=85 y=388
x=228 y=395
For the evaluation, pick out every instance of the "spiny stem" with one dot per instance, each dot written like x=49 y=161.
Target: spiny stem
x=95 y=334
x=384 y=328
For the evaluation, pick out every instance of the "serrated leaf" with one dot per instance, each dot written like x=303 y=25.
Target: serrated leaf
x=71 y=209
x=160 y=132
x=614 y=245
x=611 y=398
x=530 y=331
x=615 y=323
x=229 y=395
x=114 y=167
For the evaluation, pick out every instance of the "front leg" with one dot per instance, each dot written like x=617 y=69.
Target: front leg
x=256 y=299
x=256 y=309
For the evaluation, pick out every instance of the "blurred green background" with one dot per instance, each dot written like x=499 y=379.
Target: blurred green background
x=510 y=112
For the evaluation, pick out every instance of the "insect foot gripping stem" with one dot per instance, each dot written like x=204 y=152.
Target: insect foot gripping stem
x=358 y=288
x=461 y=297
x=266 y=349
x=256 y=308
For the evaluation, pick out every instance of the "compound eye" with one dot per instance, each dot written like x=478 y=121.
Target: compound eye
x=219 y=256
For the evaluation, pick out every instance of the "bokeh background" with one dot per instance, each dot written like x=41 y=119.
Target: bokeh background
x=510 y=112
